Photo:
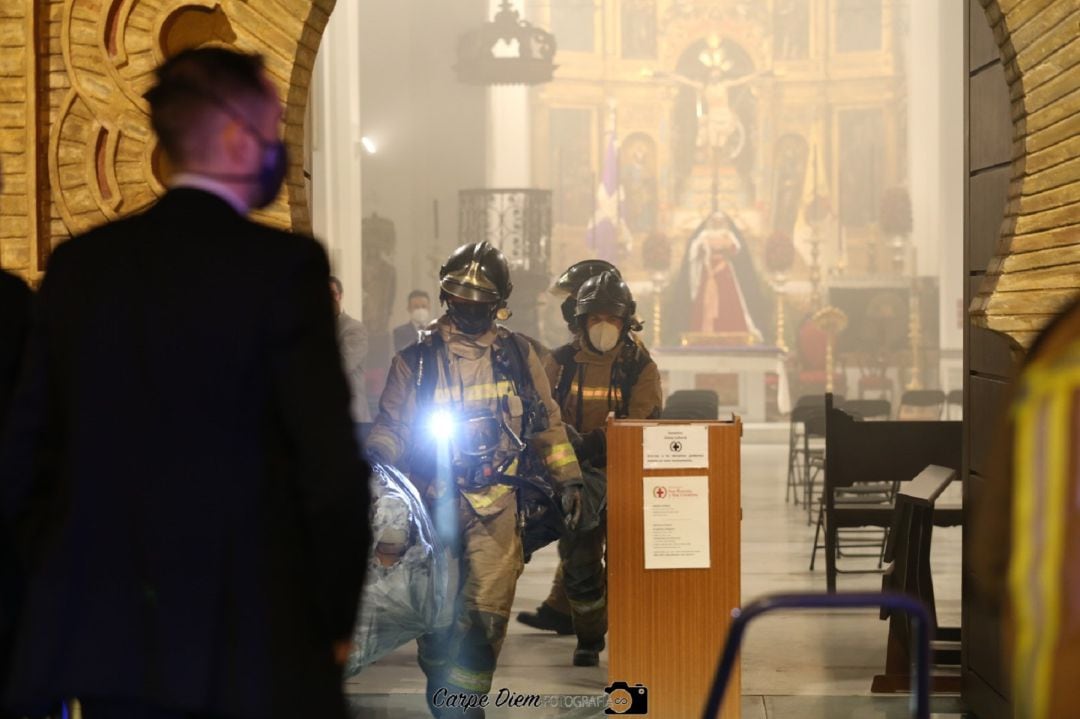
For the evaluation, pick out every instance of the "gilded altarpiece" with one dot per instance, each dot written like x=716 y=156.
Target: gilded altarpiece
x=75 y=144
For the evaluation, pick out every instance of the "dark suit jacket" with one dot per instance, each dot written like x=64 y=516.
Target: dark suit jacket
x=404 y=335
x=189 y=500
x=14 y=324
x=14 y=321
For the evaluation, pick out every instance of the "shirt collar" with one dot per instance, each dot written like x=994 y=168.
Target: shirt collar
x=195 y=181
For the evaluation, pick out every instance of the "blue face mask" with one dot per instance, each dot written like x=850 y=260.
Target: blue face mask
x=273 y=165
x=272 y=170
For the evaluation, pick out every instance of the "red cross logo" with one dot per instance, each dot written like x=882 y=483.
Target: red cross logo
x=659 y=492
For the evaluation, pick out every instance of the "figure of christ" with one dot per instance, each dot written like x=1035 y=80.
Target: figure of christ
x=719 y=126
x=719 y=306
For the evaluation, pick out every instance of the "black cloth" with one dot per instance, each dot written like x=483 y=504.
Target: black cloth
x=14 y=324
x=110 y=709
x=404 y=335
x=188 y=498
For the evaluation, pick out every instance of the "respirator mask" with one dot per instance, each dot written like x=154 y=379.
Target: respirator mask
x=604 y=336
x=472 y=318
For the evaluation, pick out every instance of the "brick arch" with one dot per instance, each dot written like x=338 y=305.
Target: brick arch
x=1035 y=272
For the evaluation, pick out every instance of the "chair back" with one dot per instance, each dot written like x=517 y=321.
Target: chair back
x=700 y=404
x=867 y=409
x=921 y=404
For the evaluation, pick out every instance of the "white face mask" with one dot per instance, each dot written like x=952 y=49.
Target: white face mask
x=420 y=316
x=604 y=336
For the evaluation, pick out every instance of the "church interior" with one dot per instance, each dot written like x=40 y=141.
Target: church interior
x=874 y=201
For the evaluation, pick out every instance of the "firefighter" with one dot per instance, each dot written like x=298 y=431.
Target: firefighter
x=568 y=284
x=466 y=411
x=604 y=369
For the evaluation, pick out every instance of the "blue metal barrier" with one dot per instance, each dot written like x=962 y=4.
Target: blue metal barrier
x=894 y=601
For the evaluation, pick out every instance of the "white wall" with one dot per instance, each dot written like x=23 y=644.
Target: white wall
x=336 y=153
x=936 y=151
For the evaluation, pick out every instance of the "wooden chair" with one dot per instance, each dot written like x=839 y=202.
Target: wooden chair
x=867 y=457
x=908 y=570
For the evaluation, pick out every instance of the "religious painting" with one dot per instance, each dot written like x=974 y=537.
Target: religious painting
x=638 y=25
x=861 y=165
x=638 y=175
x=791 y=23
x=573 y=22
x=573 y=182
x=858 y=25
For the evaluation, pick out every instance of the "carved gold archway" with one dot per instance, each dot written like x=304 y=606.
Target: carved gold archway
x=75 y=145
x=1036 y=270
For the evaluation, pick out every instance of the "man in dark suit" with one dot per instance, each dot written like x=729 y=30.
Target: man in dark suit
x=14 y=324
x=14 y=321
x=419 y=306
x=180 y=468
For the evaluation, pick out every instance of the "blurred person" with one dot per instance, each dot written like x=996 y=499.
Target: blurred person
x=1033 y=504
x=419 y=307
x=189 y=503
x=14 y=324
x=353 y=341
x=15 y=300
x=606 y=368
x=467 y=411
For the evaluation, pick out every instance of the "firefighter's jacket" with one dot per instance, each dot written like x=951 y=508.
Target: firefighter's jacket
x=596 y=384
x=467 y=384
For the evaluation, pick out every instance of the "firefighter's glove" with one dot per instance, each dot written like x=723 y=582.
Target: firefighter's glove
x=572 y=505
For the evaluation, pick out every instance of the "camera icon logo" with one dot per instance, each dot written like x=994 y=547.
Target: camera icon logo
x=626 y=698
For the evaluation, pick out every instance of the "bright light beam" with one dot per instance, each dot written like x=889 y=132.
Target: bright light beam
x=369 y=145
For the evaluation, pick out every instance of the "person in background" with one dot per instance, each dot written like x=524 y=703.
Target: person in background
x=353 y=342
x=419 y=306
x=1027 y=527
x=605 y=369
x=187 y=497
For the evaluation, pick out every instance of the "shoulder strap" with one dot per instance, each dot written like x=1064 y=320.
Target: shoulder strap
x=564 y=356
x=633 y=361
x=421 y=356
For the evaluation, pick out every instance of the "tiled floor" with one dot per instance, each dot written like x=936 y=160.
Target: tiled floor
x=804 y=665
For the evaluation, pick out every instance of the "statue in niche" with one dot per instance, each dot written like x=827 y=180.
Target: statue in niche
x=720 y=128
x=638 y=172
x=718 y=282
x=714 y=110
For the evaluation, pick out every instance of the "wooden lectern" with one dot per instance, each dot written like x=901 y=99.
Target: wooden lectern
x=667 y=627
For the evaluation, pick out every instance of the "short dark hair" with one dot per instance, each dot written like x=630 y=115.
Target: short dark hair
x=194 y=83
x=417 y=293
x=337 y=284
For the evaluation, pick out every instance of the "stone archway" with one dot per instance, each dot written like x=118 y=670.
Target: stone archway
x=75 y=145
x=1036 y=270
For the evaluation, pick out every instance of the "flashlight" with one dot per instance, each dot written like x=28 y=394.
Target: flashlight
x=441 y=425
